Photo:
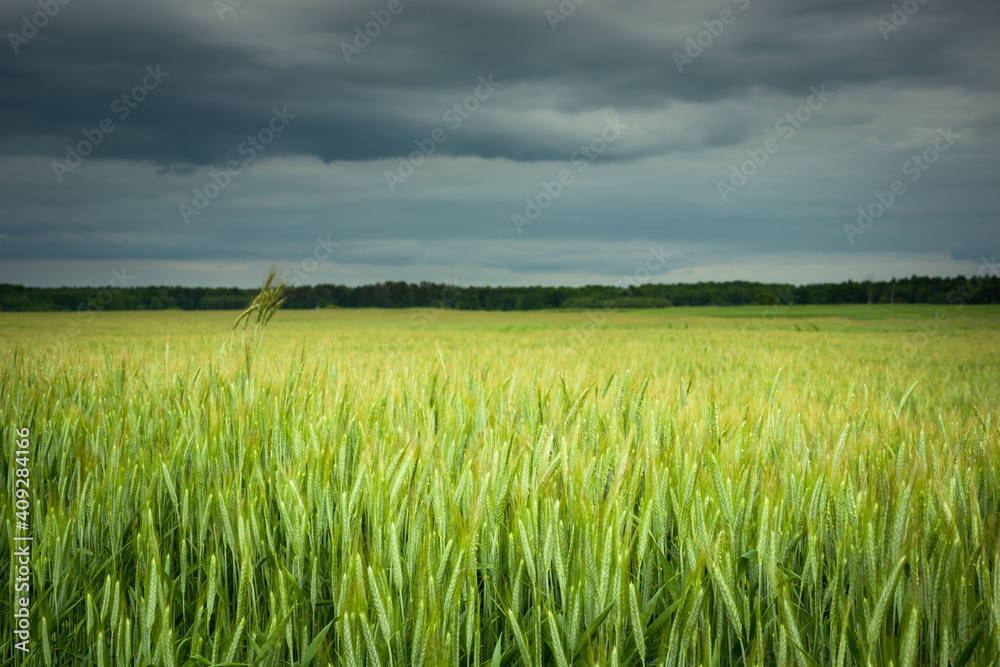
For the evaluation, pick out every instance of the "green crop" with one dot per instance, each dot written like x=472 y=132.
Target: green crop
x=370 y=493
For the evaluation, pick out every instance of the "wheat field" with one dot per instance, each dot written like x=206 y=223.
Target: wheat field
x=446 y=488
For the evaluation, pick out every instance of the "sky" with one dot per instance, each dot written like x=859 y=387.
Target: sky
x=497 y=142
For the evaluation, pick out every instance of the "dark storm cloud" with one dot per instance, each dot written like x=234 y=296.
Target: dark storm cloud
x=226 y=75
x=324 y=175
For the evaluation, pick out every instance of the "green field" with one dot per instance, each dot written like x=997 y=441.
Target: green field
x=710 y=486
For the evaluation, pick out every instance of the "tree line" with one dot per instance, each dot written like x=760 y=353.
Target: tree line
x=916 y=289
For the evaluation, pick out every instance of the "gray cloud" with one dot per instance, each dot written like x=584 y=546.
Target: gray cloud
x=353 y=120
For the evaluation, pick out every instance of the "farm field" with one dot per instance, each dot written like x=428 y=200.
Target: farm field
x=685 y=486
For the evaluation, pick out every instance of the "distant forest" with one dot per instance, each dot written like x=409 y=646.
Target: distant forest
x=436 y=295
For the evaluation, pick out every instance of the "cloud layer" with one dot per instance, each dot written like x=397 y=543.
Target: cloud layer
x=413 y=130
